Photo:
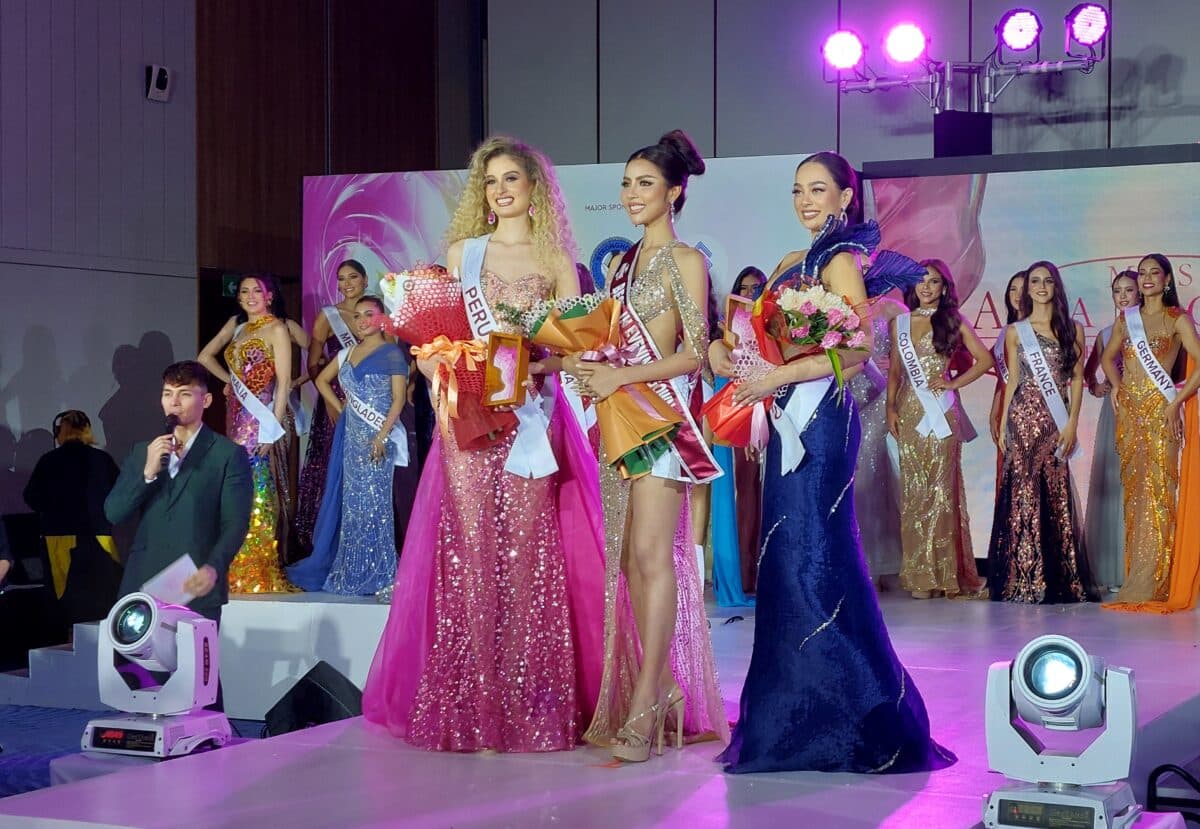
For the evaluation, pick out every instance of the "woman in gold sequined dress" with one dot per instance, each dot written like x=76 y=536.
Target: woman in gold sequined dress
x=658 y=657
x=1149 y=425
x=258 y=350
x=1036 y=554
x=935 y=532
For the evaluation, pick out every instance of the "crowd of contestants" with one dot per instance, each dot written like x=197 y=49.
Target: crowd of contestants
x=529 y=613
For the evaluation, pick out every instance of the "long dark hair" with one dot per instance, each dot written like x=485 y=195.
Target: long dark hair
x=271 y=285
x=946 y=320
x=1060 y=317
x=1170 y=293
x=1014 y=313
x=844 y=178
x=749 y=270
x=677 y=158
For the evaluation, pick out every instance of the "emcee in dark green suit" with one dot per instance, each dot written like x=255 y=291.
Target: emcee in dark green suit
x=192 y=488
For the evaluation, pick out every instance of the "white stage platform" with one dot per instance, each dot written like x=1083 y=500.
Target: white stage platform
x=350 y=774
x=267 y=643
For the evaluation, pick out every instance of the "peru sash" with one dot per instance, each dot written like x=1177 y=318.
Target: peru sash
x=339 y=327
x=696 y=462
x=935 y=406
x=374 y=418
x=269 y=429
x=1141 y=347
x=1043 y=376
x=531 y=455
x=998 y=353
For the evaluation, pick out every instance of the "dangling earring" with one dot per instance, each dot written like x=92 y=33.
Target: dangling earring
x=531 y=210
x=671 y=211
x=842 y=217
x=491 y=217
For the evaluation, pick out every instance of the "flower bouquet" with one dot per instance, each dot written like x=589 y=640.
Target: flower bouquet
x=427 y=312
x=635 y=424
x=798 y=322
x=782 y=326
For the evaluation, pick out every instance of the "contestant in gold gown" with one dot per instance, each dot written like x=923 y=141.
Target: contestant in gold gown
x=1150 y=431
x=935 y=531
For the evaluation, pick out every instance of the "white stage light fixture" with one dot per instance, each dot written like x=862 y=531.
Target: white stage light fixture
x=1056 y=684
x=157 y=662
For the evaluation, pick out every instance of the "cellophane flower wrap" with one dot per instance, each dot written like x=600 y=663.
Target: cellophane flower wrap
x=636 y=425
x=794 y=322
x=734 y=424
x=427 y=312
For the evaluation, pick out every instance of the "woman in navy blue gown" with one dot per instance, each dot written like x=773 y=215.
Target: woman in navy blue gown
x=825 y=690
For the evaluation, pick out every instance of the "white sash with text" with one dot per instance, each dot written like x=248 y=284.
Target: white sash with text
x=374 y=418
x=1043 y=376
x=1141 y=347
x=531 y=455
x=935 y=405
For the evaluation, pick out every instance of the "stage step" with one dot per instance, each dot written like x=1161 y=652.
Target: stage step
x=59 y=676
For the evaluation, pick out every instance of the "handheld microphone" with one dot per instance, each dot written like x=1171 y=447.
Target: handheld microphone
x=171 y=423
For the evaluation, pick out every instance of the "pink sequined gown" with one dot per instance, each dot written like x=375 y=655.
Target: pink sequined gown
x=495 y=634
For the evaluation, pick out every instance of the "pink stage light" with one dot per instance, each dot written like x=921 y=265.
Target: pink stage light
x=1019 y=29
x=843 y=50
x=905 y=43
x=1088 y=23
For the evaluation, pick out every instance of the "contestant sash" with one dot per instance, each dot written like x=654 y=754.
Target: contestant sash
x=374 y=418
x=301 y=414
x=696 y=462
x=1043 y=376
x=531 y=455
x=793 y=418
x=1001 y=357
x=935 y=406
x=269 y=429
x=1141 y=347
x=339 y=327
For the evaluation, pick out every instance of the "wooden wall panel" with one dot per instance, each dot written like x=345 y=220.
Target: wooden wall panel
x=292 y=88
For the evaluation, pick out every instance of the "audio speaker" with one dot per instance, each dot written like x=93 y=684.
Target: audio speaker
x=322 y=695
x=962 y=133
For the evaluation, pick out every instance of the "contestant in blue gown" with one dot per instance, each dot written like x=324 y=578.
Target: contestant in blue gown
x=354 y=544
x=825 y=690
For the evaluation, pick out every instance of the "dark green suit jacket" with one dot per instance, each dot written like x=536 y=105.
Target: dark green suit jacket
x=203 y=511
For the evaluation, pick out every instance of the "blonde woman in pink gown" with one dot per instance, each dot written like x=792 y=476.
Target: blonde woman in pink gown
x=493 y=641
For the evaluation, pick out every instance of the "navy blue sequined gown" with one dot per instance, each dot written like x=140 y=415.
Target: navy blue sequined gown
x=825 y=690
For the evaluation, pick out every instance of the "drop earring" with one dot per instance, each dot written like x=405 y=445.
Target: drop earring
x=531 y=211
x=671 y=211
x=842 y=217
x=491 y=217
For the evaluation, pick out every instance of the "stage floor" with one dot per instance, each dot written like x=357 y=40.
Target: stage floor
x=350 y=774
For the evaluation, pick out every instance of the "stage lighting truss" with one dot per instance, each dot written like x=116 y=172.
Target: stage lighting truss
x=1018 y=33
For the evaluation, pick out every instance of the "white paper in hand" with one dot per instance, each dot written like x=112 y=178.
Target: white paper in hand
x=167 y=586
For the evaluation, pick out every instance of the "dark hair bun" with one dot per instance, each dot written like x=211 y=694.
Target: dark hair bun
x=679 y=142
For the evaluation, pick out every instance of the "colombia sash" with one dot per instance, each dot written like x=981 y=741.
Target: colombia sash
x=935 y=405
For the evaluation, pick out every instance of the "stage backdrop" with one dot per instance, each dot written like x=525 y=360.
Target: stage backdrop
x=1091 y=222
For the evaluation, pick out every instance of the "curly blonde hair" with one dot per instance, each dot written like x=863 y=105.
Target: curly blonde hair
x=553 y=244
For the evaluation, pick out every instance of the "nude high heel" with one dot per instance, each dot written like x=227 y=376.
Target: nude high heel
x=631 y=745
x=673 y=704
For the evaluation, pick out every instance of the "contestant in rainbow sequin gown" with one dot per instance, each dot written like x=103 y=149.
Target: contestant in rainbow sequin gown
x=494 y=636
x=258 y=353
